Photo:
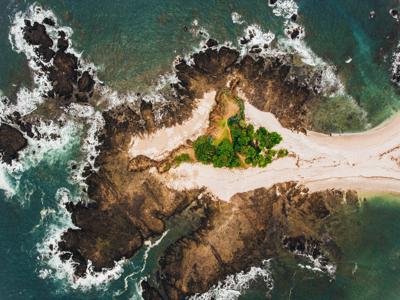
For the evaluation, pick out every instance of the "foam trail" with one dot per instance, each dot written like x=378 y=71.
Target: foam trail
x=150 y=245
x=5 y=183
x=395 y=67
x=317 y=265
x=234 y=285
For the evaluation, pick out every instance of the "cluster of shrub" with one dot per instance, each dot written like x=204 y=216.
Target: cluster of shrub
x=255 y=146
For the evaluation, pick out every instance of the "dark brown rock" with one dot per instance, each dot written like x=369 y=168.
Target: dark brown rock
x=86 y=82
x=62 y=42
x=252 y=227
x=37 y=35
x=11 y=142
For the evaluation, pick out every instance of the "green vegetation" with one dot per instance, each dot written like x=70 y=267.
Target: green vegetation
x=184 y=157
x=255 y=147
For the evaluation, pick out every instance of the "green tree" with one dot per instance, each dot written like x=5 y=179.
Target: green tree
x=224 y=155
x=273 y=139
x=204 y=150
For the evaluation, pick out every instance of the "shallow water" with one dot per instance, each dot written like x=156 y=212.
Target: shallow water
x=132 y=43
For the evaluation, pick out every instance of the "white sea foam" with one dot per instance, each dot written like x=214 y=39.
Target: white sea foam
x=49 y=253
x=5 y=181
x=330 y=84
x=236 y=18
x=396 y=64
x=316 y=265
x=28 y=100
x=234 y=285
x=150 y=245
x=55 y=139
x=284 y=8
x=255 y=36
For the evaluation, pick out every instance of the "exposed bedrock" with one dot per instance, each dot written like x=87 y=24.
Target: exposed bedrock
x=69 y=83
x=129 y=207
x=272 y=84
x=11 y=142
x=254 y=226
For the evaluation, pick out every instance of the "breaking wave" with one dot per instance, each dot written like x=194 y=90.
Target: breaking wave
x=53 y=266
x=234 y=285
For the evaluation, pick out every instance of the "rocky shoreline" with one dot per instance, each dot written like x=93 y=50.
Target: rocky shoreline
x=253 y=226
x=130 y=206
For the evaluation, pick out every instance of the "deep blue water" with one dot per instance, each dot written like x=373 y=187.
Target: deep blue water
x=132 y=42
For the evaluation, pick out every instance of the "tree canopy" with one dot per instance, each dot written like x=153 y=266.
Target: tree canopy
x=245 y=146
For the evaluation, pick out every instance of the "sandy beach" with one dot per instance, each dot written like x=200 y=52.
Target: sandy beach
x=158 y=145
x=367 y=161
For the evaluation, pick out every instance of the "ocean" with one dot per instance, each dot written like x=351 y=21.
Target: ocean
x=134 y=42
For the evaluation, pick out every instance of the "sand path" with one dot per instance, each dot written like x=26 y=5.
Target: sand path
x=158 y=145
x=367 y=162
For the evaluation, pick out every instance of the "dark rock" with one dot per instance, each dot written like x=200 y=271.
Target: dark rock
x=64 y=74
x=295 y=33
x=62 y=42
x=244 y=41
x=211 y=43
x=394 y=13
x=150 y=293
x=49 y=21
x=45 y=53
x=11 y=142
x=37 y=35
x=86 y=82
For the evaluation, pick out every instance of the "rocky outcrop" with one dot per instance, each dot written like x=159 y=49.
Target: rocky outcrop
x=69 y=83
x=130 y=205
x=272 y=84
x=253 y=226
x=11 y=142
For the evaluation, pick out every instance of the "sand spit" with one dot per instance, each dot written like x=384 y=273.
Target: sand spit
x=159 y=144
x=368 y=161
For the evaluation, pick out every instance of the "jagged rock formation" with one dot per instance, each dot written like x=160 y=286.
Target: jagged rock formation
x=273 y=84
x=129 y=204
x=11 y=142
x=69 y=83
x=253 y=226
x=128 y=207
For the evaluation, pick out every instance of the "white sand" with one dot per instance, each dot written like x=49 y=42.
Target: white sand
x=158 y=145
x=363 y=162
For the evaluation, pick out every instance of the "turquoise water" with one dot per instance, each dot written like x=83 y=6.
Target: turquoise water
x=132 y=43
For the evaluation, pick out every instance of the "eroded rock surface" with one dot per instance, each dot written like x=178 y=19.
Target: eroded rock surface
x=68 y=81
x=130 y=205
x=11 y=142
x=253 y=226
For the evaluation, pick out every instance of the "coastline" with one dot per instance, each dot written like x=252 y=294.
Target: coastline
x=365 y=162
